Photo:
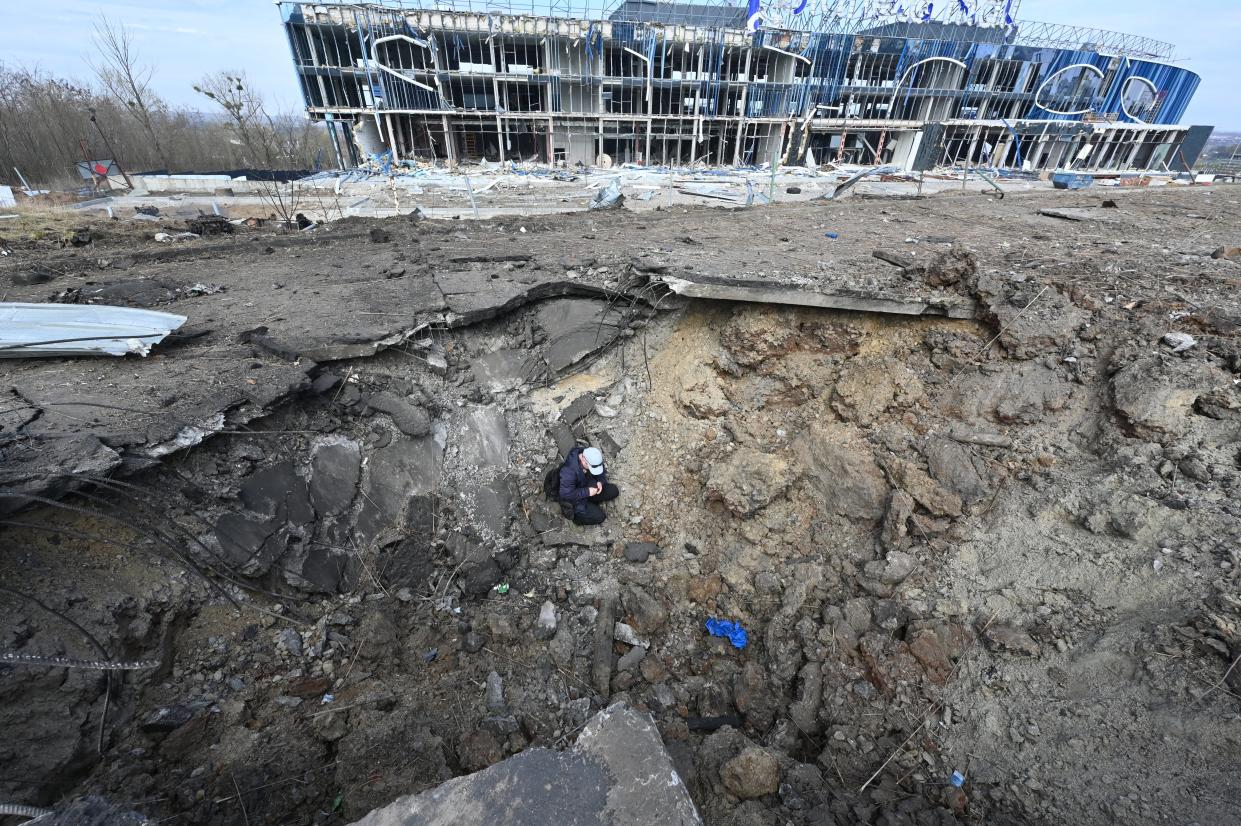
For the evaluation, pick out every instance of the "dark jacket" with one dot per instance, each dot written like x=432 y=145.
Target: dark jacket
x=576 y=481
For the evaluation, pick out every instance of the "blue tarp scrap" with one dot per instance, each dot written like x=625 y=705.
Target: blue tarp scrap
x=727 y=628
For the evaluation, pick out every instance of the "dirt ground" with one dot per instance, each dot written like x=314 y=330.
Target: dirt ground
x=1004 y=547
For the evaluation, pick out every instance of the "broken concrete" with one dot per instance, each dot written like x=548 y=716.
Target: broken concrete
x=938 y=487
x=726 y=289
x=617 y=773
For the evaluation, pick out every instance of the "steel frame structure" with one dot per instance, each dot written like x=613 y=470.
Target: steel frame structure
x=669 y=83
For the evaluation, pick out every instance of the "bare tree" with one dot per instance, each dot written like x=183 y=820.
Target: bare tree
x=272 y=141
x=126 y=79
x=244 y=107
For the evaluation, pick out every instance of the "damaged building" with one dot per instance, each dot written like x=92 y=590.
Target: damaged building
x=655 y=83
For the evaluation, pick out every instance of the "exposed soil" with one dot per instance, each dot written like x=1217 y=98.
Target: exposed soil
x=1004 y=547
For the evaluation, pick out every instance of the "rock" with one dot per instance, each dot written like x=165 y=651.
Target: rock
x=562 y=647
x=379 y=235
x=545 y=627
x=167 y=718
x=472 y=642
x=605 y=629
x=753 y=697
x=482 y=576
x=1011 y=640
x=704 y=400
x=627 y=635
x=752 y=774
x=959 y=469
x=500 y=725
x=618 y=773
x=895 y=259
x=478 y=750
x=705 y=588
x=952 y=266
x=494 y=696
x=1179 y=342
x=938 y=647
x=336 y=466
x=1155 y=396
x=409 y=418
x=926 y=491
x=887 y=663
x=640 y=551
x=631 y=659
x=844 y=472
x=646 y=613
x=893 y=534
x=562 y=434
x=848 y=623
x=1195 y=468
x=402 y=476
x=290 y=641
x=653 y=669
x=714 y=701
x=804 y=712
x=893 y=570
x=37 y=275
x=305 y=686
x=746 y=482
x=331 y=726
x=578 y=409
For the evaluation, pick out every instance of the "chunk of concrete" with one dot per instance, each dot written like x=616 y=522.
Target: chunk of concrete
x=336 y=466
x=843 y=470
x=575 y=328
x=504 y=369
x=482 y=464
x=409 y=418
x=400 y=473
x=618 y=773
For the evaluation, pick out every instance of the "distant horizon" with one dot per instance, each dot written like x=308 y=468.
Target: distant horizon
x=198 y=37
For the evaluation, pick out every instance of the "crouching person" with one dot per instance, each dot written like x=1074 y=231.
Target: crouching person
x=583 y=485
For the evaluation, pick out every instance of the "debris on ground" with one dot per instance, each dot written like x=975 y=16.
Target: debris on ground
x=969 y=509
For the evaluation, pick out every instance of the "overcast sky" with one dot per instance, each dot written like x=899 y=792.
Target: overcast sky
x=185 y=39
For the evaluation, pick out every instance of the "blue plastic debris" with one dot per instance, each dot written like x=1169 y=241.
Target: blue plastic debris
x=832 y=234
x=727 y=628
x=958 y=779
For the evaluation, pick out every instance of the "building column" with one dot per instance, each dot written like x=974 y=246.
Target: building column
x=448 y=143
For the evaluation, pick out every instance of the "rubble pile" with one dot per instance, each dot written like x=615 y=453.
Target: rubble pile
x=864 y=568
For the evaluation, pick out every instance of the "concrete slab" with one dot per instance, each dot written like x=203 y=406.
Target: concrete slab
x=481 y=467
x=724 y=289
x=575 y=328
x=618 y=774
